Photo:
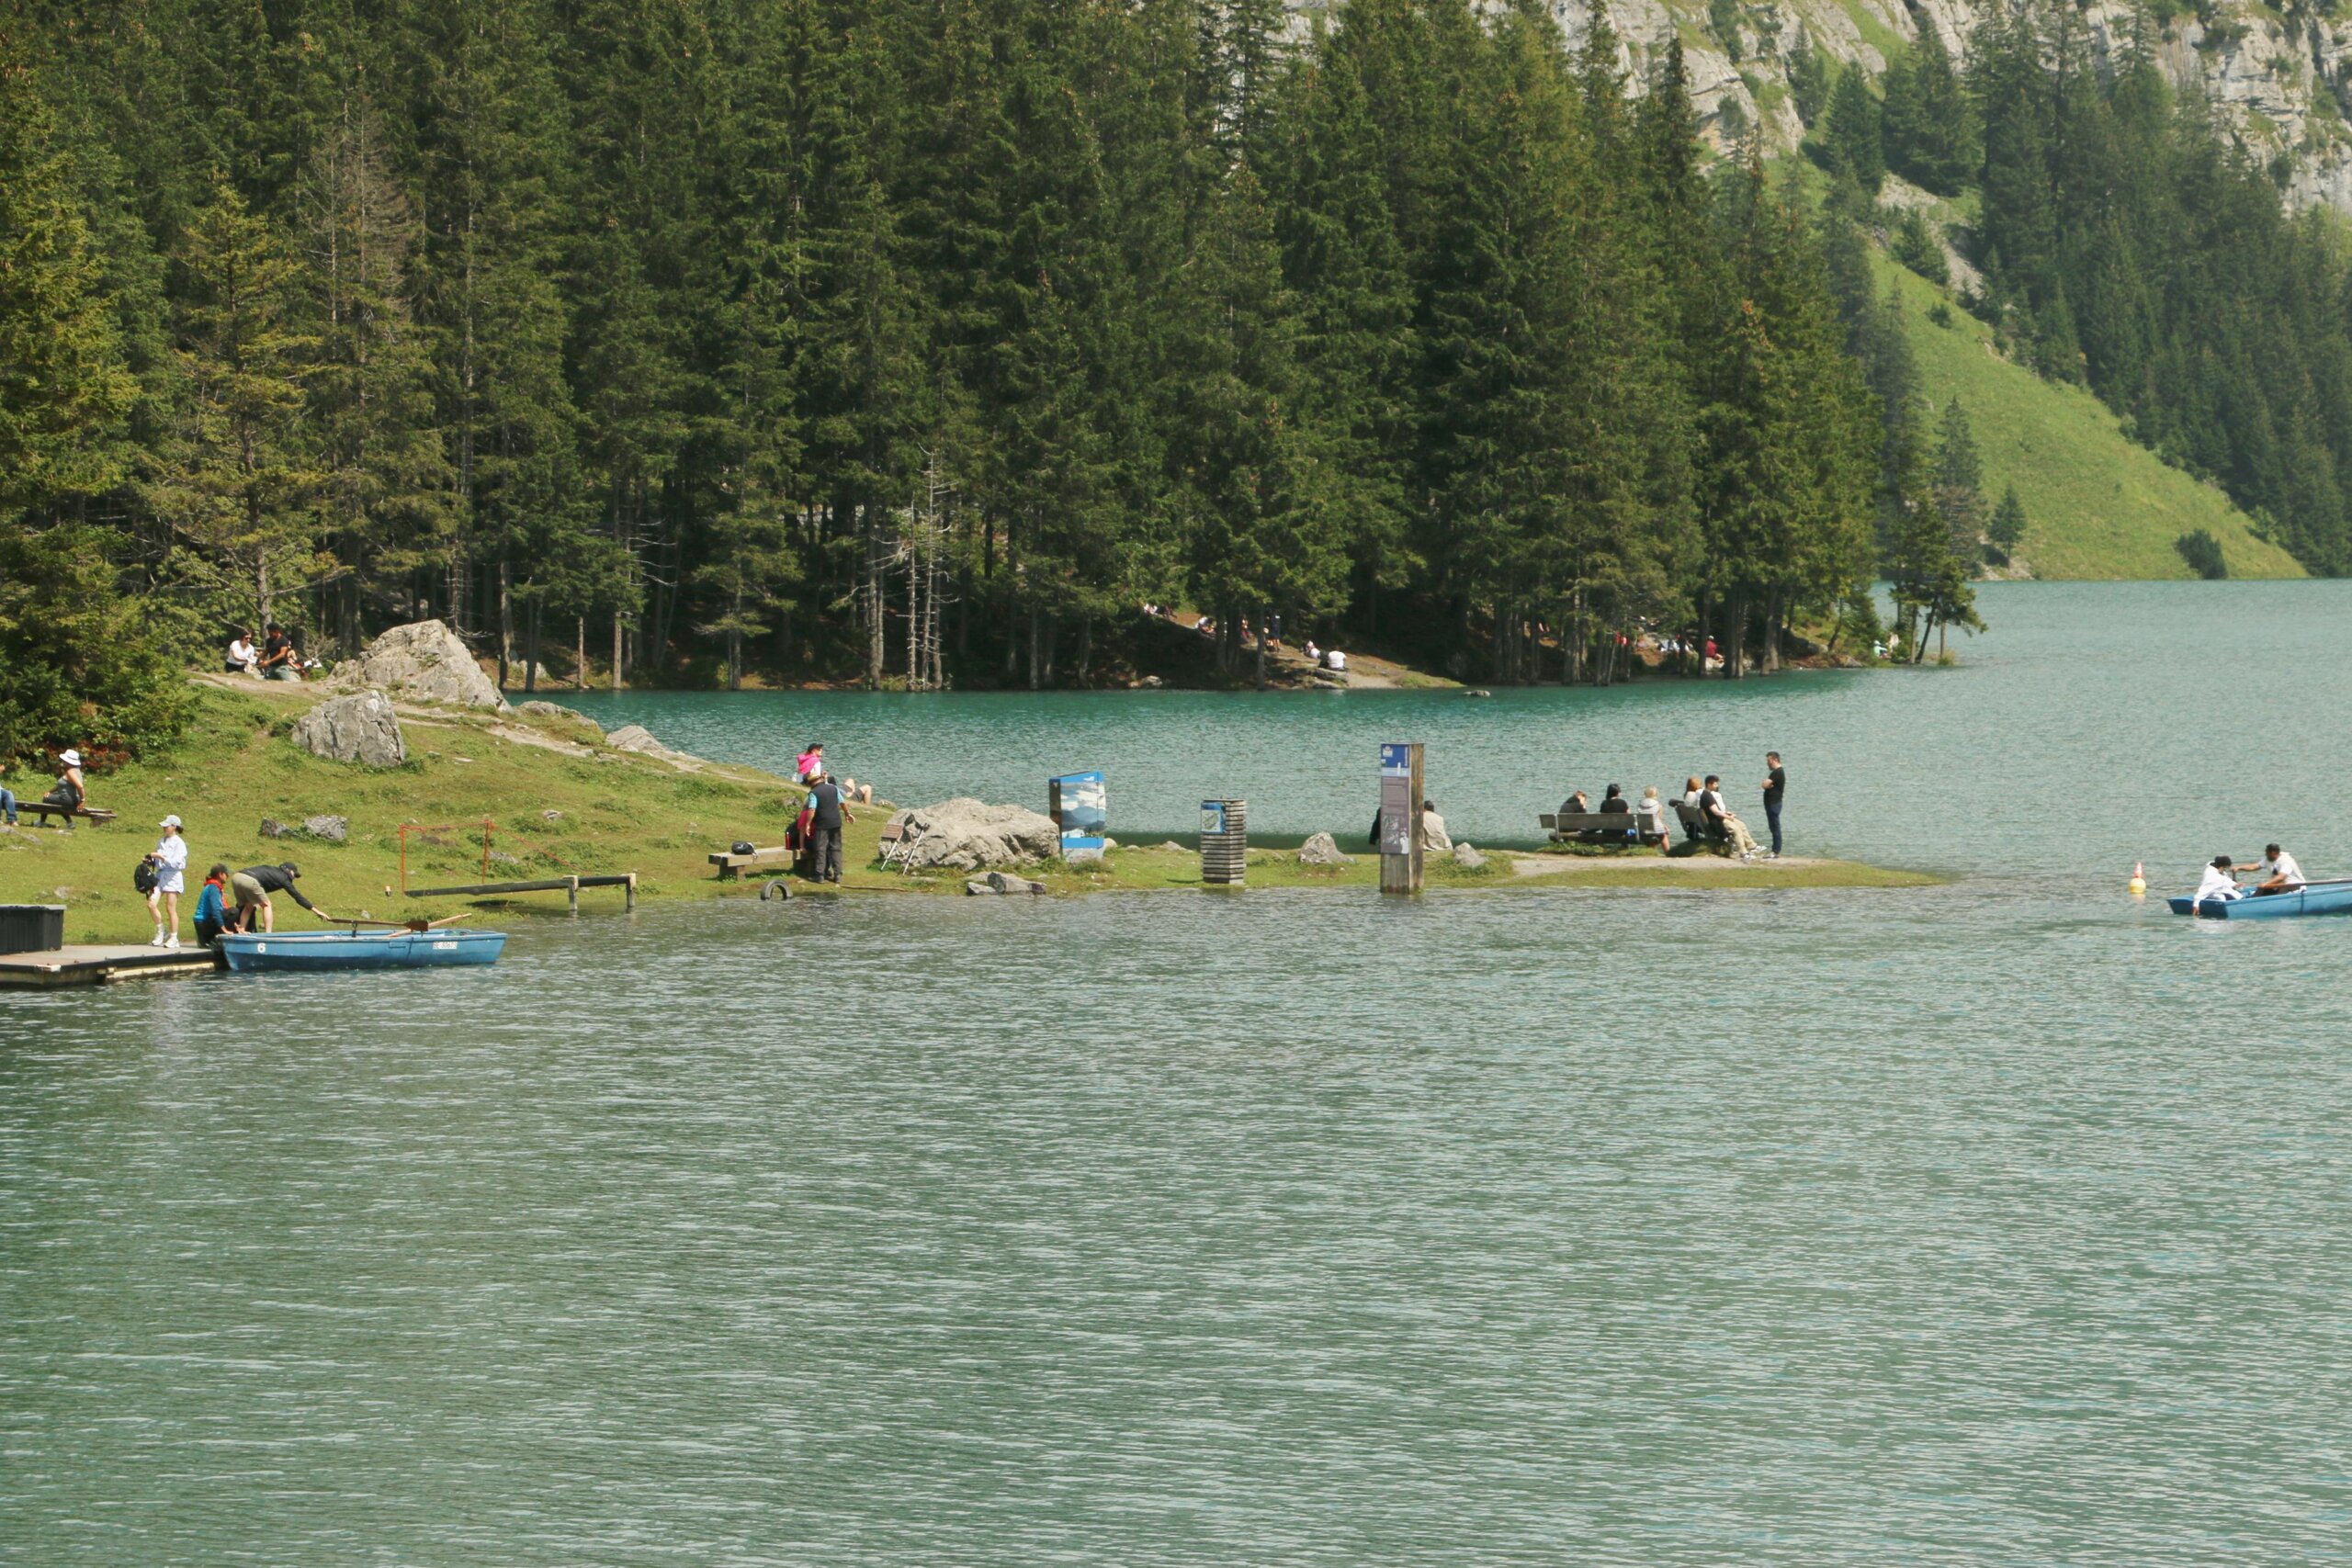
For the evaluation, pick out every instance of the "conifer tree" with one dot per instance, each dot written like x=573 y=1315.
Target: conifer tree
x=1852 y=133
x=1930 y=125
x=243 y=484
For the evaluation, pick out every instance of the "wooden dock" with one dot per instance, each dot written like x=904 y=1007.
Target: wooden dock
x=566 y=884
x=85 y=966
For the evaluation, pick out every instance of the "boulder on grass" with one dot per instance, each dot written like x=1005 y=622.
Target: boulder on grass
x=422 y=662
x=1003 y=882
x=1467 y=857
x=637 y=737
x=326 y=830
x=970 y=835
x=1323 y=849
x=359 y=728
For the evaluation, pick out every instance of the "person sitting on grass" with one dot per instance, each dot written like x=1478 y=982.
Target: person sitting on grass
x=1435 y=840
x=243 y=658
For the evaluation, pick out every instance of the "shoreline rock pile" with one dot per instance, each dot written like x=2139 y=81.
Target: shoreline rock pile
x=965 y=834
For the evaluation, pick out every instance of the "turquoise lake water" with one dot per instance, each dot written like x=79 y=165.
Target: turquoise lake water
x=2004 y=1222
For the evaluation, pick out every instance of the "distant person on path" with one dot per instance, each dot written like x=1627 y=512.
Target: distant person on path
x=243 y=660
x=826 y=813
x=170 y=858
x=253 y=886
x=2280 y=873
x=212 y=906
x=1776 y=785
x=2218 y=881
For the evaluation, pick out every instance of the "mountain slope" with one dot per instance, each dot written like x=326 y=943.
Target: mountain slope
x=2097 y=504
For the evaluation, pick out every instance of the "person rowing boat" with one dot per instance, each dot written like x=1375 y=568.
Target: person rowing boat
x=2279 y=872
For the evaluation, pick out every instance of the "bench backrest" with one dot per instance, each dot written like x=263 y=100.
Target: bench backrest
x=1592 y=822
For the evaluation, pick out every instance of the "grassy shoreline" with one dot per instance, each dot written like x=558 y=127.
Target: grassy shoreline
x=563 y=804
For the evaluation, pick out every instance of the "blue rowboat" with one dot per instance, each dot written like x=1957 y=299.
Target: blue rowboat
x=361 y=949
x=2312 y=898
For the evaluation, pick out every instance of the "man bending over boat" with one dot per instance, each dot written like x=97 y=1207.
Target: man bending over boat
x=2280 y=872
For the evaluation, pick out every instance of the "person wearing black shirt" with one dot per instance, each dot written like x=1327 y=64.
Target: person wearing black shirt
x=1776 y=785
x=253 y=886
x=277 y=659
x=825 y=814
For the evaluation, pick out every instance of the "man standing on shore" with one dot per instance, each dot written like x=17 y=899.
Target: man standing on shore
x=1776 y=785
x=825 y=814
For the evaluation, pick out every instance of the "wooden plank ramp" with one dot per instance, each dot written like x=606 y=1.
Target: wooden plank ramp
x=97 y=965
x=566 y=884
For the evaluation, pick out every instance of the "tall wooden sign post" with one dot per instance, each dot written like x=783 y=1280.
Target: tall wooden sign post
x=1400 y=817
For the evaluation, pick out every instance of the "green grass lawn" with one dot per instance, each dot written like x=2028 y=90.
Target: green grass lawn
x=2098 y=505
x=556 y=813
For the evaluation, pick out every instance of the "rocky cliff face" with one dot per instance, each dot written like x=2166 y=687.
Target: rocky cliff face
x=2285 y=84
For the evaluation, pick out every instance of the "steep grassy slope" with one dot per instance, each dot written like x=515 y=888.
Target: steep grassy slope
x=2097 y=505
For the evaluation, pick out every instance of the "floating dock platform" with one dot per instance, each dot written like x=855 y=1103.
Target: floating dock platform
x=88 y=966
x=569 y=886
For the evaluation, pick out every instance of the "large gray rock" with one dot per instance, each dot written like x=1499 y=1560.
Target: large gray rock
x=357 y=728
x=637 y=737
x=1323 y=849
x=326 y=830
x=422 y=662
x=1003 y=882
x=1467 y=857
x=969 y=835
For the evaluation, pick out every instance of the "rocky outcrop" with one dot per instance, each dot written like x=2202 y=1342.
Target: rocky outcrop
x=637 y=737
x=359 y=728
x=2275 y=79
x=1321 y=849
x=422 y=662
x=326 y=830
x=963 y=834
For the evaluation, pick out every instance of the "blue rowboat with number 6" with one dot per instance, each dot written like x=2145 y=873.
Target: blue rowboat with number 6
x=361 y=949
x=2312 y=898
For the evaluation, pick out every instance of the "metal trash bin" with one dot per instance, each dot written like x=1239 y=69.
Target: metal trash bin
x=1225 y=842
x=32 y=928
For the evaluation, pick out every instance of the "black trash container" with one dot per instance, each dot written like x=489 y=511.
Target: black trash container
x=32 y=928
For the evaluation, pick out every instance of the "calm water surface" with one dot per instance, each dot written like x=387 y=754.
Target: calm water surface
x=2004 y=1222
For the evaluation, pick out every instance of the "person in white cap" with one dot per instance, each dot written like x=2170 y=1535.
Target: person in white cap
x=170 y=858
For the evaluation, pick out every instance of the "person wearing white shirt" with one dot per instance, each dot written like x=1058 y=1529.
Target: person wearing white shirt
x=2280 y=872
x=243 y=658
x=2217 y=881
x=170 y=856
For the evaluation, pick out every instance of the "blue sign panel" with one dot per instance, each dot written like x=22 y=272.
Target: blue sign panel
x=1082 y=810
x=1395 y=759
x=1212 y=817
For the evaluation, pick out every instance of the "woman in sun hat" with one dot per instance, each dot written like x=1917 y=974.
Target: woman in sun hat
x=170 y=856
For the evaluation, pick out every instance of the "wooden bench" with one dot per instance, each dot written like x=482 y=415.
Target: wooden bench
x=732 y=865
x=48 y=808
x=1596 y=827
x=1694 y=826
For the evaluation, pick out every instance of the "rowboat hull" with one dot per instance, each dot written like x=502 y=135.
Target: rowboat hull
x=2312 y=898
x=362 y=950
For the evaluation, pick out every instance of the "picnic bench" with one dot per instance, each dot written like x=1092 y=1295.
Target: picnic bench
x=1596 y=827
x=48 y=808
x=732 y=865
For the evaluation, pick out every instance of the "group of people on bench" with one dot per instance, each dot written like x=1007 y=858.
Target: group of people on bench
x=1642 y=822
